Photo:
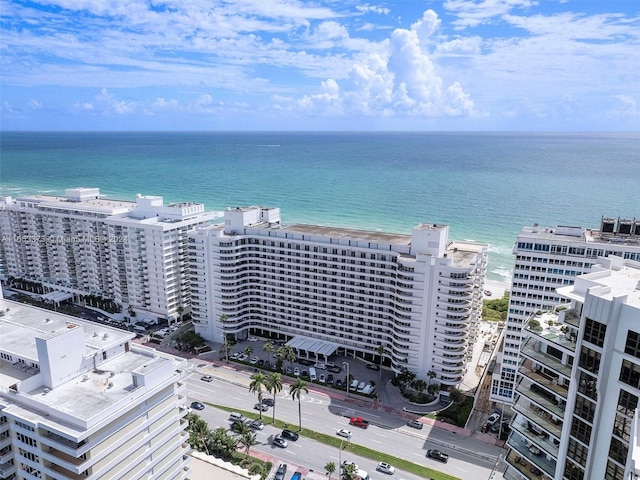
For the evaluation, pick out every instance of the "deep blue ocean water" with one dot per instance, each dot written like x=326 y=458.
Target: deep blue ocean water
x=485 y=186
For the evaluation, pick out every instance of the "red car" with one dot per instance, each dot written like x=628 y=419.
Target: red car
x=359 y=422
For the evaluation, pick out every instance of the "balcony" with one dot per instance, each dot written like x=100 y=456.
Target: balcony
x=541 y=397
x=530 y=350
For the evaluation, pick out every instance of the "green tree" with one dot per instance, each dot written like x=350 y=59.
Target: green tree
x=269 y=347
x=274 y=385
x=349 y=471
x=248 y=350
x=431 y=374
x=247 y=440
x=380 y=351
x=199 y=433
x=330 y=467
x=288 y=353
x=457 y=396
x=222 y=444
x=419 y=386
x=296 y=389
x=258 y=381
x=226 y=346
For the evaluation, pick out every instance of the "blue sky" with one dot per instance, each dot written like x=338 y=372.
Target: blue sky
x=484 y=65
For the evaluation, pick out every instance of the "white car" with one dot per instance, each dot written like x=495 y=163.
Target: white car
x=385 y=468
x=296 y=372
x=254 y=360
x=252 y=339
x=343 y=432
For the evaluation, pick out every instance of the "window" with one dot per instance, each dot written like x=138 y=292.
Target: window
x=630 y=374
x=581 y=431
x=577 y=452
x=594 y=332
x=632 y=347
x=585 y=408
x=590 y=360
x=627 y=403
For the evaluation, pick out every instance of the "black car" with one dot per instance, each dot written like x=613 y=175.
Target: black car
x=338 y=383
x=371 y=366
x=288 y=434
x=268 y=402
x=415 y=424
x=330 y=379
x=197 y=406
x=282 y=469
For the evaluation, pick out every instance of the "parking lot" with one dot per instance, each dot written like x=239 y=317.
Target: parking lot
x=330 y=373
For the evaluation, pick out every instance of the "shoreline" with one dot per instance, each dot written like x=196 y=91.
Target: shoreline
x=497 y=289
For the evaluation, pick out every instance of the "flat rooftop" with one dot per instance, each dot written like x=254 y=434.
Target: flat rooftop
x=90 y=396
x=97 y=205
x=351 y=233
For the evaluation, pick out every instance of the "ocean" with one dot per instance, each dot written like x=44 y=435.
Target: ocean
x=485 y=186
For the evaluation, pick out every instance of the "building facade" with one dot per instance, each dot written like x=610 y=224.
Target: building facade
x=131 y=253
x=578 y=384
x=80 y=400
x=546 y=259
x=418 y=297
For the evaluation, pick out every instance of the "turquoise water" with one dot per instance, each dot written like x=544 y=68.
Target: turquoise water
x=486 y=186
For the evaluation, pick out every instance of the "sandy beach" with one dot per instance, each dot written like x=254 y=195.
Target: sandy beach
x=497 y=289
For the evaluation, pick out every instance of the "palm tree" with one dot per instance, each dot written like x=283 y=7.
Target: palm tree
x=248 y=350
x=274 y=385
x=296 y=390
x=258 y=380
x=247 y=440
x=198 y=433
x=380 y=352
x=330 y=467
x=349 y=471
x=226 y=346
x=419 y=386
x=431 y=374
x=269 y=347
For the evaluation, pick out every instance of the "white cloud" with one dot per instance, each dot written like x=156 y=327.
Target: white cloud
x=472 y=13
x=399 y=81
x=34 y=104
x=626 y=106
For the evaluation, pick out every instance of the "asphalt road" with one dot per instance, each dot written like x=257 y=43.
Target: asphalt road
x=468 y=457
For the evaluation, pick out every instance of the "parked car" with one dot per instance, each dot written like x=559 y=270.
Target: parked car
x=254 y=360
x=252 y=339
x=493 y=418
x=206 y=378
x=321 y=379
x=296 y=372
x=235 y=356
x=289 y=435
x=343 y=432
x=415 y=424
x=371 y=366
x=385 y=468
x=282 y=469
x=197 y=406
x=280 y=442
x=330 y=379
x=338 y=383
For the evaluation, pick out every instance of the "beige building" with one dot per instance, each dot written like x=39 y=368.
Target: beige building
x=79 y=400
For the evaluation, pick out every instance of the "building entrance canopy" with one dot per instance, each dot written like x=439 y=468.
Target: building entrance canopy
x=312 y=347
x=57 y=296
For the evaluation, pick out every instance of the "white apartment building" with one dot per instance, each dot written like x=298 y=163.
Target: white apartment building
x=327 y=289
x=79 y=400
x=545 y=259
x=578 y=385
x=134 y=253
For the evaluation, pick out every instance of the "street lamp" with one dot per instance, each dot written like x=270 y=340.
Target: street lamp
x=340 y=457
x=346 y=364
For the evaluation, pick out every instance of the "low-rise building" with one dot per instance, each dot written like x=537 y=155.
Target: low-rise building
x=80 y=400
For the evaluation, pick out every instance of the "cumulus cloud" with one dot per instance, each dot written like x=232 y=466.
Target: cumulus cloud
x=400 y=80
x=626 y=106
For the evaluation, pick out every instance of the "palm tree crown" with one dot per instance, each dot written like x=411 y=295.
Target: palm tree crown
x=258 y=381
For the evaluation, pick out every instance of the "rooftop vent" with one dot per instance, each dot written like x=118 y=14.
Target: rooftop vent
x=45 y=391
x=105 y=336
x=95 y=334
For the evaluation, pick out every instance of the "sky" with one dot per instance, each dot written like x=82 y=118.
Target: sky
x=325 y=65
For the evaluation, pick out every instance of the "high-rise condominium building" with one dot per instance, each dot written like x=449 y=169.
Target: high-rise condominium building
x=80 y=245
x=579 y=382
x=545 y=259
x=79 y=400
x=327 y=289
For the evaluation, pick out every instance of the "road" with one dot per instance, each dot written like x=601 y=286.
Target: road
x=468 y=457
